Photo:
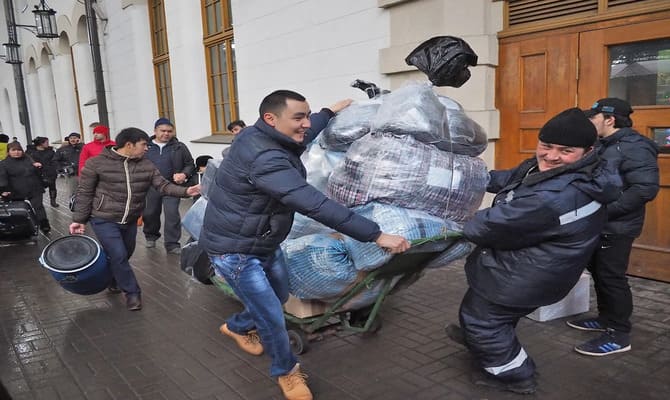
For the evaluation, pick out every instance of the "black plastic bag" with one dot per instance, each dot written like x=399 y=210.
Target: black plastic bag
x=445 y=59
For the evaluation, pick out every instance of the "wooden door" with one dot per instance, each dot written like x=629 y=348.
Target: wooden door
x=537 y=79
x=651 y=251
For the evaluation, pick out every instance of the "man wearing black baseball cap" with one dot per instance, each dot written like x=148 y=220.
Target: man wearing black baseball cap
x=636 y=158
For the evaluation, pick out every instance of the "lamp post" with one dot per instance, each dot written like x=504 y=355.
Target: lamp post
x=45 y=27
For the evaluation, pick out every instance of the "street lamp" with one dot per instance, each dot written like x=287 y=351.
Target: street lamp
x=45 y=27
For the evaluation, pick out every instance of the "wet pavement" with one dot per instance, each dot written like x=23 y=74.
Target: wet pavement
x=58 y=345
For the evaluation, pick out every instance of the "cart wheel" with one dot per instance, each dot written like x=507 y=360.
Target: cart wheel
x=298 y=341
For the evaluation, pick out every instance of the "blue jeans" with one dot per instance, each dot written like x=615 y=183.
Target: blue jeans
x=118 y=241
x=262 y=286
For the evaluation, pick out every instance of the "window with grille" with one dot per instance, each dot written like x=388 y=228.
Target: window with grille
x=538 y=13
x=161 y=59
x=220 y=58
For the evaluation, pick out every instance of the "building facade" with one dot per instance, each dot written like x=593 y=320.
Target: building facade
x=204 y=63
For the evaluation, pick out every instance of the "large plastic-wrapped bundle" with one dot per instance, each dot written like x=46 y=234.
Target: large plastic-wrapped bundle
x=349 y=125
x=318 y=266
x=414 y=110
x=304 y=225
x=209 y=176
x=408 y=223
x=319 y=164
x=404 y=172
x=194 y=217
x=467 y=137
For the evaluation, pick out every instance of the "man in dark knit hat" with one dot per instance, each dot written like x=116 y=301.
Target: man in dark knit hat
x=545 y=221
x=636 y=157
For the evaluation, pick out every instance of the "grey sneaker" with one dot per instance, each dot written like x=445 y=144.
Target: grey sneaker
x=150 y=244
x=175 y=250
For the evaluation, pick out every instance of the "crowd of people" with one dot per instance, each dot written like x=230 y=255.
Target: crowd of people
x=578 y=203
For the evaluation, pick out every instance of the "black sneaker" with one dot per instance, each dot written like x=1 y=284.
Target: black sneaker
x=610 y=342
x=587 y=324
x=526 y=386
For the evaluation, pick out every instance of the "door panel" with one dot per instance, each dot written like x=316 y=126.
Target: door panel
x=651 y=251
x=528 y=93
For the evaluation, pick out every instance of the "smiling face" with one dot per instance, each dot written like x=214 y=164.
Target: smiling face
x=292 y=121
x=550 y=156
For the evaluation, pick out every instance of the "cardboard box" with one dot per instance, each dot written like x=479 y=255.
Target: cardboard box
x=304 y=308
x=576 y=302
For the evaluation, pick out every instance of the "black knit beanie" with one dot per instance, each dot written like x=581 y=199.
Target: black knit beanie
x=569 y=128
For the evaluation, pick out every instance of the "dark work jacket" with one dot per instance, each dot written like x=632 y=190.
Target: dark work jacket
x=19 y=176
x=259 y=186
x=173 y=158
x=47 y=158
x=535 y=240
x=636 y=157
x=69 y=155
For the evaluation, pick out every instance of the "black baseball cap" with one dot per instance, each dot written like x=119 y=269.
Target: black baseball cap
x=610 y=105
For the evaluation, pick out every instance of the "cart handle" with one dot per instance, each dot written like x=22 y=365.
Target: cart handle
x=436 y=238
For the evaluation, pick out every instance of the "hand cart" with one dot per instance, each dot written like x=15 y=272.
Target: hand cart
x=403 y=269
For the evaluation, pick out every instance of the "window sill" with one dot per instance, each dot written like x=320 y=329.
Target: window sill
x=215 y=139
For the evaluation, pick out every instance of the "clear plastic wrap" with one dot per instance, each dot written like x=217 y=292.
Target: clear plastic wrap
x=209 y=175
x=319 y=164
x=349 y=125
x=414 y=110
x=318 y=266
x=194 y=218
x=404 y=172
x=467 y=137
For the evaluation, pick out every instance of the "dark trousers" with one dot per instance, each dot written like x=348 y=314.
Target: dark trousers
x=118 y=241
x=52 y=189
x=152 y=218
x=36 y=201
x=490 y=337
x=608 y=267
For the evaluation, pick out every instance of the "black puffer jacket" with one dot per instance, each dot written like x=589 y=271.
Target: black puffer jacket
x=636 y=157
x=534 y=242
x=20 y=177
x=259 y=186
x=46 y=157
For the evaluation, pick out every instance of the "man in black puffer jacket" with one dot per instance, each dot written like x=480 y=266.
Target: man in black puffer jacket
x=636 y=156
x=257 y=189
x=532 y=244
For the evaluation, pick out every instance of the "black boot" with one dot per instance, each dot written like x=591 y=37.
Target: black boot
x=45 y=227
x=54 y=203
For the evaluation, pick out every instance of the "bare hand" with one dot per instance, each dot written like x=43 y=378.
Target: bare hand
x=193 y=190
x=179 y=177
x=5 y=194
x=340 y=105
x=393 y=243
x=37 y=165
x=77 y=229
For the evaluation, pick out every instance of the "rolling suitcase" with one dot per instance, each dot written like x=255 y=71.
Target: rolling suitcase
x=17 y=220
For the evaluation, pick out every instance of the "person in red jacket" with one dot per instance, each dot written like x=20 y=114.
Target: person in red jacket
x=92 y=149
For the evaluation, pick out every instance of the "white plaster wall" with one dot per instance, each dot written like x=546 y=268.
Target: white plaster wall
x=65 y=95
x=189 y=89
x=314 y=47
x=48 y=100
